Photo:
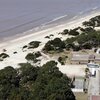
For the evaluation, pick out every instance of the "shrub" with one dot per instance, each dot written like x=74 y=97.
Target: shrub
x=62 y=60
x=87 y=46
x=57 y=45
x=33 y=57
x=51 y=35
x=37 y=54
x=14 y=52
x=88 y=30
x=30 y=56
x=47 y=37
x=66 y=31
x=33 y=44
x=4 y=55
x=88 y=23
x=93 y=22
x=25 y=46
x=73 y=32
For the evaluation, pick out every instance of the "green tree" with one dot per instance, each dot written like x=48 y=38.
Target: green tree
x=28 y=72
x=33 y=44
x=51 y=84
x=38 y=83
x=8 y=80
x=57 y=45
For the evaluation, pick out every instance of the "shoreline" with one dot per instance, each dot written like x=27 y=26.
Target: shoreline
x=16 y=44
x=29 y=33
x=50 y=24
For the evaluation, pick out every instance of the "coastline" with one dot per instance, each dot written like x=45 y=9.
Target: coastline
x=16 y=44
x=74 y=22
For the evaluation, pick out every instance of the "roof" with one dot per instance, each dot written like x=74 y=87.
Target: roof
x=94 y=97
x=79 y=57
x=91 y=57
x=84 y=57
x=93 y=65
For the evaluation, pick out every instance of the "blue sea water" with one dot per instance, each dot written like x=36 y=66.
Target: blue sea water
x=18 y=16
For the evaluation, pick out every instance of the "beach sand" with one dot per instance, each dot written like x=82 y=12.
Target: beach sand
x=16 y=44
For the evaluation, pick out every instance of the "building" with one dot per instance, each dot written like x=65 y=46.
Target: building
x=77 y=58
x=92 y=67
x=84 y=58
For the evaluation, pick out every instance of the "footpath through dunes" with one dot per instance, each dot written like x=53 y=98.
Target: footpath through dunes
x=16 y=44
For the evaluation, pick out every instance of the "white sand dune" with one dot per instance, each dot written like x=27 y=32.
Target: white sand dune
x=16 y=44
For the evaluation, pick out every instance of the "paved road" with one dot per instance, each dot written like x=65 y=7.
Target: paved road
x=79 y=83
x=94 y=84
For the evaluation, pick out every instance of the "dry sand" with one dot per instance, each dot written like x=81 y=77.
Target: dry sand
x=16 y=44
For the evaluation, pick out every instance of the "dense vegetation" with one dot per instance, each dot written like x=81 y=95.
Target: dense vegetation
x=73 y=32
x=83 y=38
x=3 y=56
x=93 y=22
x=62 y=60
x=32 y=45
x=88 y=39
x=54 y=45
x=33 y=57
x=34 y=83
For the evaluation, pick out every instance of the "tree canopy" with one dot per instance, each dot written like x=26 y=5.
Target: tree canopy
x=54 y=45
x=35 y=83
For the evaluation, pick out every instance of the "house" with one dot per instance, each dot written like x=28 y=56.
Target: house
x=92 y=67
x=78 y=58
x=84 y=58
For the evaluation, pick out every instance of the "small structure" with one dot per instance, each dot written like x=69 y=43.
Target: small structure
x=83 y=58
x=78 y=58
x=92 y=67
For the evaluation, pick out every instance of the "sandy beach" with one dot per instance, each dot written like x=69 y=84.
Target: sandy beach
x=16 y=44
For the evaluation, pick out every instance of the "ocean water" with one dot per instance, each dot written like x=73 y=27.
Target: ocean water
x=18 y=16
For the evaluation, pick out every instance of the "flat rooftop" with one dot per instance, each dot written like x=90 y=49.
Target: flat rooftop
x=84 y=56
